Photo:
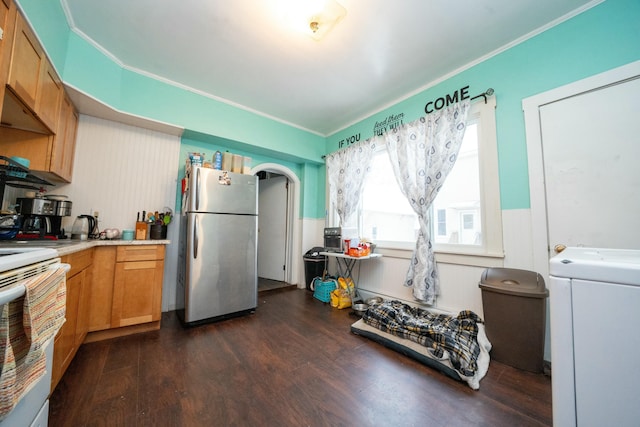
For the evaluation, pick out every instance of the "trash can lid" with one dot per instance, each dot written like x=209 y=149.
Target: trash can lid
x=314 y=253
x=512 y=281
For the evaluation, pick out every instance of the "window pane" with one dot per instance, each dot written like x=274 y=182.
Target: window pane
x=461 y=222
x=386 y=213
x=459 y=197
x=442 y=222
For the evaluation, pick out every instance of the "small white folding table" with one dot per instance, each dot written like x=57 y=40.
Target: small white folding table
x=346 y=264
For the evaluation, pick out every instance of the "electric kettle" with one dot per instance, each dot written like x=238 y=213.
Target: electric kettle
x=83 y=227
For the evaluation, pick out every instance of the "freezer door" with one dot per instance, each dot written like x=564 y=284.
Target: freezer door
x=217 y=191
x=221 y=272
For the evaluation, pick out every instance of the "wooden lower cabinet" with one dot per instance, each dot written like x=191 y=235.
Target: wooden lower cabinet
x=137 y=292
x=127 y=290
x=74 y=330
x=111 y=291
x=102 y=288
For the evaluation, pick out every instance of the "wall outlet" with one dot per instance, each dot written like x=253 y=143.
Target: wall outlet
x=96 y=214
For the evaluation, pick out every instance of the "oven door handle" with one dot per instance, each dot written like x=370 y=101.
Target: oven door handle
x=12 y=293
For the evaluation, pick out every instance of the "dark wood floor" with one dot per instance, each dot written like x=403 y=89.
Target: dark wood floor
x=269 y=285
x=293 y=362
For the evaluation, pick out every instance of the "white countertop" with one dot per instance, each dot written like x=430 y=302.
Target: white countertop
x=66 y=247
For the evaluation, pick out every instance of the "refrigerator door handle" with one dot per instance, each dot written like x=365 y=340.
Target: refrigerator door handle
x=197 y=189
x=195 y=238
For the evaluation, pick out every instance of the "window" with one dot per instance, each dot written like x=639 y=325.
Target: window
x=459 y=197
x=442 y=222
x=466 y=213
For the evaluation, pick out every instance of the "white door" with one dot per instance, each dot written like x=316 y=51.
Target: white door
x=272 y=225
x=591 y=146
x=584 y=144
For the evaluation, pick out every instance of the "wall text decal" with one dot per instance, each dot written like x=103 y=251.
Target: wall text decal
x=443 y=101
x=392 y=121
x=350 y=140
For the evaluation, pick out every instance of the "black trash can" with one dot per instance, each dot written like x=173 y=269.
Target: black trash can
x=313 y=264
x=515 y=313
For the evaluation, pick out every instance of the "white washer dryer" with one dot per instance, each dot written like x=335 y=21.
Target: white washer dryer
x=594 y=314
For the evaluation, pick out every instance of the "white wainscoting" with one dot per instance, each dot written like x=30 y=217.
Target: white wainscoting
x=458 y=283
x=120 y=170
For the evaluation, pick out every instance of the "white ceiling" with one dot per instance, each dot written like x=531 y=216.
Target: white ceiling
x=240 y=51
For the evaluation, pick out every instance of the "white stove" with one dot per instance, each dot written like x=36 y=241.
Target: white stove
x=16 y=265
x=16 y=257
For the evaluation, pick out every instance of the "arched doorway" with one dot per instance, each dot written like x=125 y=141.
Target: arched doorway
x=293 y=243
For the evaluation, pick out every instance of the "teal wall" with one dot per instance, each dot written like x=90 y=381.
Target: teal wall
x=51 y=27
x=311 y=196
x=597 y=40
x=208 y=123
x=602 y=38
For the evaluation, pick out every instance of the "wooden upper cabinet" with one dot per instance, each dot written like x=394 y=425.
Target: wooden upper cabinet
x=32 y=77
x=38 y=120
x=50 y=155
x=49 y=96
x=7 y=24
x=64 y=142
x=27 y=61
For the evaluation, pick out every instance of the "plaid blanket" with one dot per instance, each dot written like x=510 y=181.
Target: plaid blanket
x=442 y=334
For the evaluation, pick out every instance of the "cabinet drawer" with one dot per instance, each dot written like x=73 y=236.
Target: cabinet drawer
x=140 y=253
x=78 y=261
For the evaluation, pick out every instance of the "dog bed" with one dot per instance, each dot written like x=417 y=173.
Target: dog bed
x=455 y=345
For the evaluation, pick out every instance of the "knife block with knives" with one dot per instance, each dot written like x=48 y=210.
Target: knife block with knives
x=141 y=227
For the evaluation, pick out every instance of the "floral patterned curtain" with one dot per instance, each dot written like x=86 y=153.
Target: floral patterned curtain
x=347 y=170
x=422 y=153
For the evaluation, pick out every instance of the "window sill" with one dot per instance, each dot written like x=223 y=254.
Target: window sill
x=443 y=257
x=478 y=260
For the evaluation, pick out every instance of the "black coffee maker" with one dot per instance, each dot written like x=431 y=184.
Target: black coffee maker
x=42 y=218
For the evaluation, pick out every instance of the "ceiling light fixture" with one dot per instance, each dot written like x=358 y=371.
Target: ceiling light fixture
x=314 y=18
x=324 y=16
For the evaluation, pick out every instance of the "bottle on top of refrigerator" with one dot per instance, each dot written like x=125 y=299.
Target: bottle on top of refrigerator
x=236 y=165
x=217 y=160
x=227 y=160
x=246 y=165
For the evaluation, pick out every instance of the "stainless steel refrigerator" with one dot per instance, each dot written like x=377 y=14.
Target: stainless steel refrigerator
x=218 y=246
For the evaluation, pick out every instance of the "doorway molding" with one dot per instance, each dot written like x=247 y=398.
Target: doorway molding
x=533 y=133
x=294 y=236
